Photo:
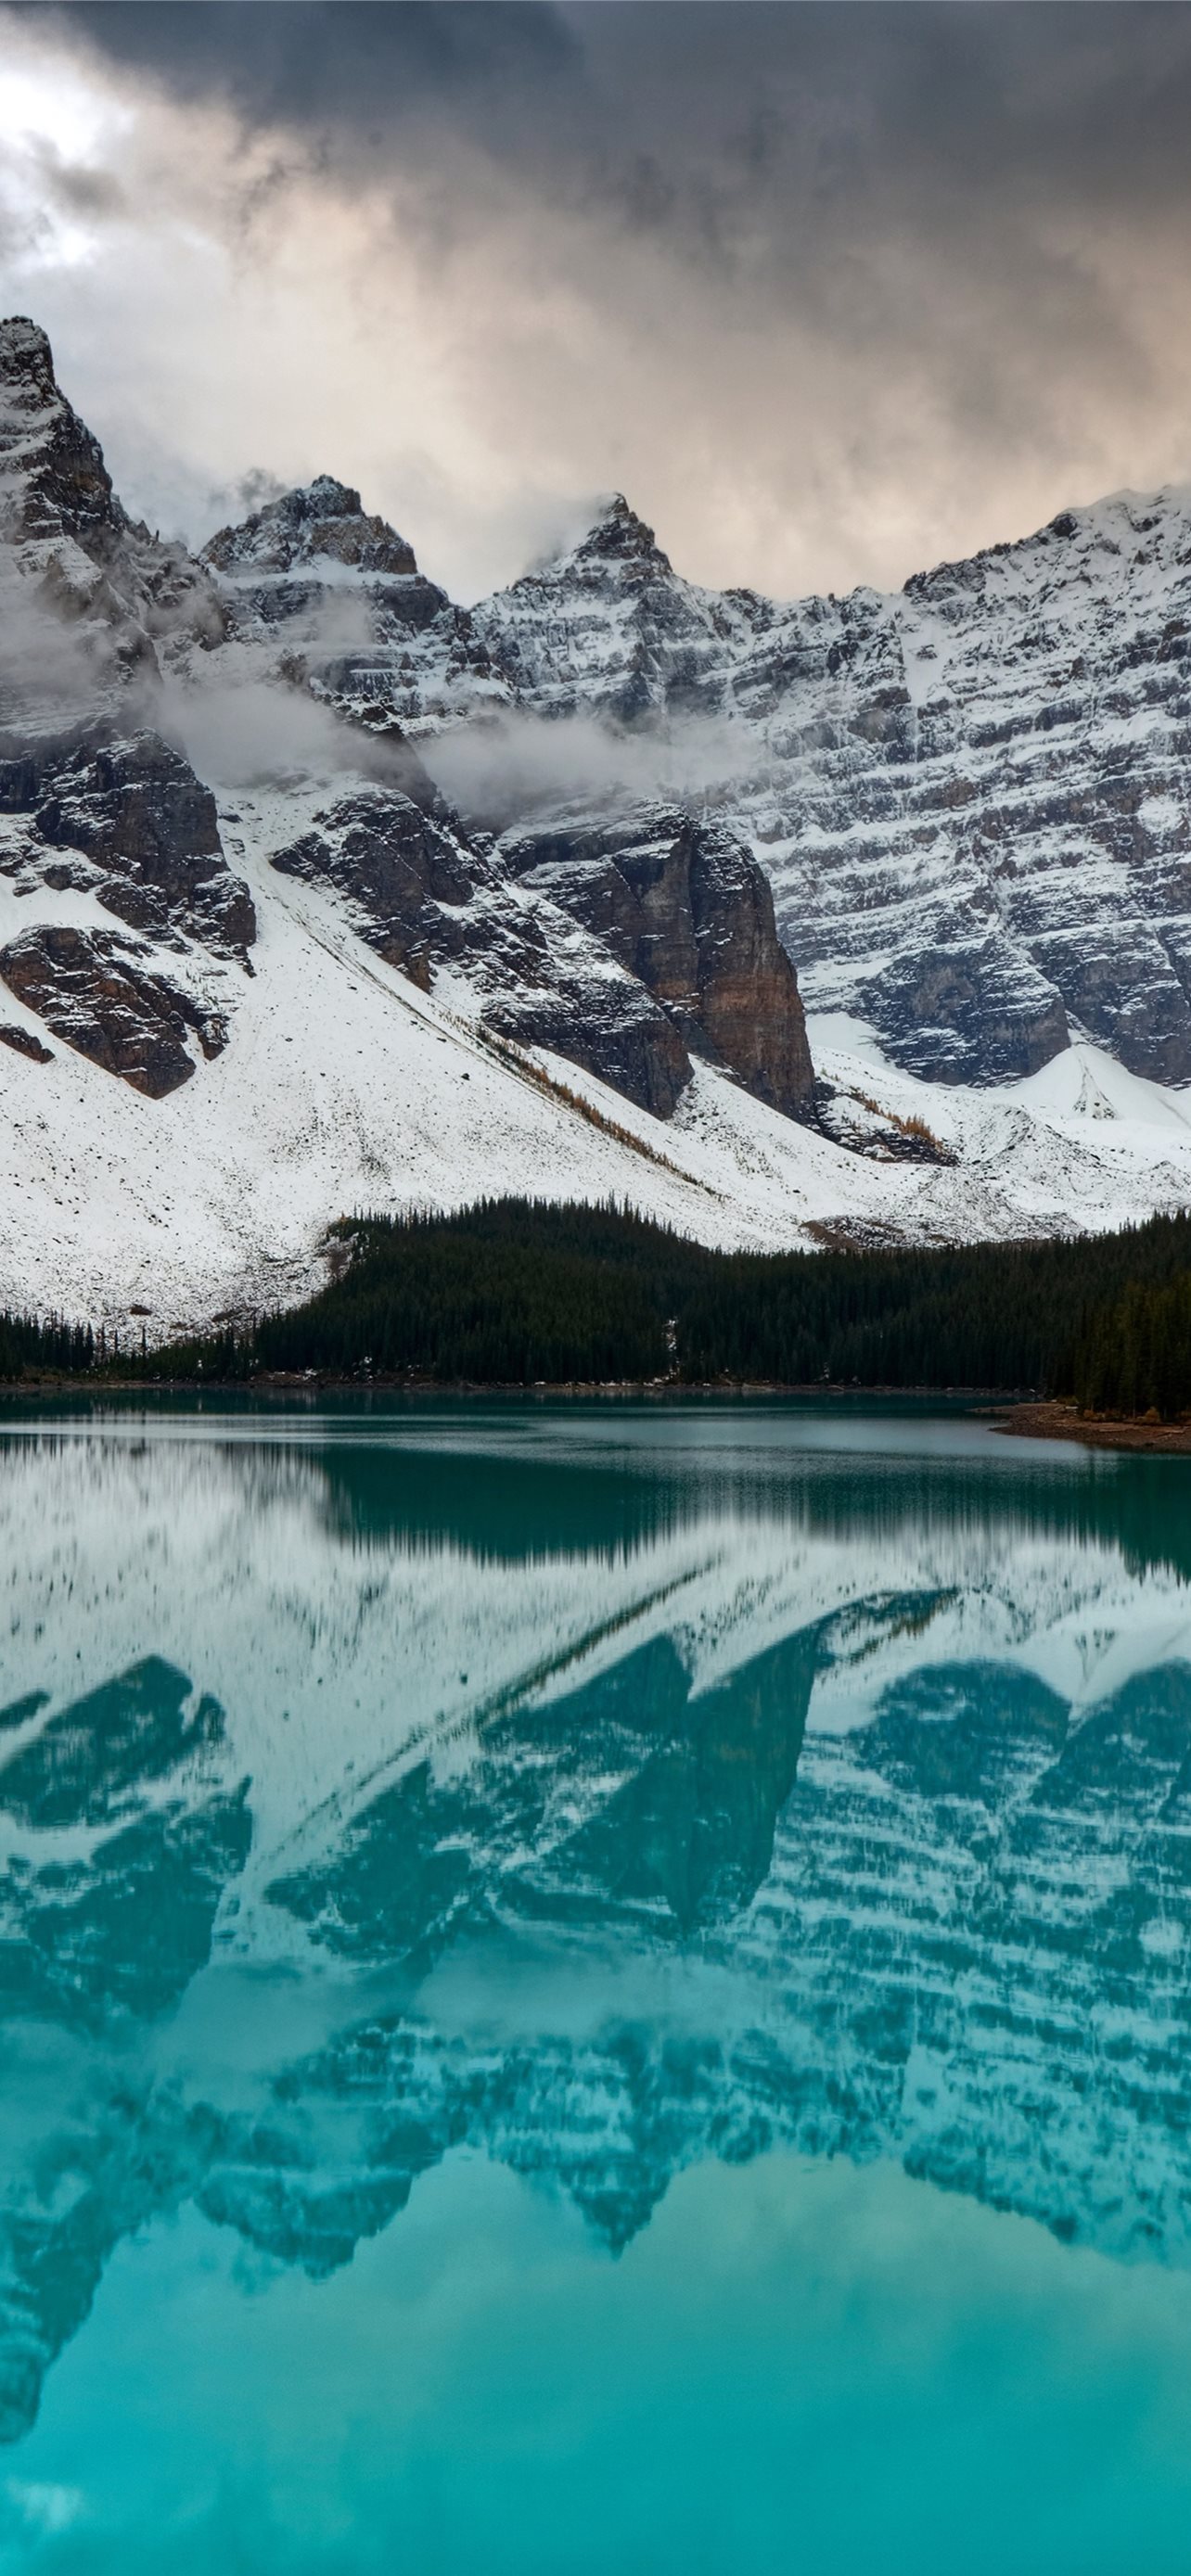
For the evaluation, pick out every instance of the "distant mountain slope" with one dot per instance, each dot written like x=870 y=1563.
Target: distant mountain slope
x=970 y=797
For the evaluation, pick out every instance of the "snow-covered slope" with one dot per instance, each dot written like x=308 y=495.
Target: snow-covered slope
x=343 y=1086
x=261 y=963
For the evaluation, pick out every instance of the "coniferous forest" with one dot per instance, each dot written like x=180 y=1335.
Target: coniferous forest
x=514 y=1293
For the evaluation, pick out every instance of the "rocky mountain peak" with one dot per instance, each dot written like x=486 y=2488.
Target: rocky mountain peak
x=609 y=628
x=617 y=535
x=26 y=357
x=53 y=481
x=320 y=521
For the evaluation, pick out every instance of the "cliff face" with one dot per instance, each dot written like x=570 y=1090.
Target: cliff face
x=683 y=907
x=421 y=893
x=653 y=823
x=970 y=798
x=100 y=815
x=123 y=818
x=53 y=480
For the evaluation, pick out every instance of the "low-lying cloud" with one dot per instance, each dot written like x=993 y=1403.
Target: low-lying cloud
x=52 y=663
x=255 y=733
x=497 y=768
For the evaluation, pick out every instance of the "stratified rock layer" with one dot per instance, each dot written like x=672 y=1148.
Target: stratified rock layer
x=683 y=907
x=970 y=798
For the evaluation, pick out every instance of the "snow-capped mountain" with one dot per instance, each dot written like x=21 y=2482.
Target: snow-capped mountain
x=367 y=898
x=850 y=1815
x=971 y=798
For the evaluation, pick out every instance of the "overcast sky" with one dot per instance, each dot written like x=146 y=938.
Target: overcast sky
x=831 y=292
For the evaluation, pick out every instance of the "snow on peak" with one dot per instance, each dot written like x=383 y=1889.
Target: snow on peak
x=1126 y=542
x=617 y=535
x=53 y=480
x=970 y=801
x=316 y=521
x=26 y=357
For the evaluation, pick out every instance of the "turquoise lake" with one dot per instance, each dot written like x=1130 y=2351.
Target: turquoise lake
x=592 y=1987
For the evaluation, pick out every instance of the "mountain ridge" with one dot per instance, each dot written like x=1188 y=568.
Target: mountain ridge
x=360 y=842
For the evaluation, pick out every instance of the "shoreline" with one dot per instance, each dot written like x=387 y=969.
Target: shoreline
x=1027 y=1418
x=1053 y=1420
x=310 y=1382
x=981 y=1399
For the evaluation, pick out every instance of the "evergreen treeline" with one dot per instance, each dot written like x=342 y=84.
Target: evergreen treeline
x=506 y=1295
x=55 y=1345
x=1134 y=1356
x=511 y=1292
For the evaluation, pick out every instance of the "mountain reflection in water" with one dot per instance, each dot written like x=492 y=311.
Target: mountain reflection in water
x=605 y=1792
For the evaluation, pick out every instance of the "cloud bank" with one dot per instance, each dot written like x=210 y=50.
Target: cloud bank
x=831 y=291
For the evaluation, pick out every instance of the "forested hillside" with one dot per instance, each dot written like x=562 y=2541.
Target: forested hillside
x=514 y=1293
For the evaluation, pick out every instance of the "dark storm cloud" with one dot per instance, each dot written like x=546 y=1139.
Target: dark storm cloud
x=333 y=64
x=678 y=112
x=831 y=289
x=937 y=177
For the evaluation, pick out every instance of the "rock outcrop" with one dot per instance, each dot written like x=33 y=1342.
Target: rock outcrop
x=682 y=905
x=126 y=819
x=100 y=993
x=23 y=1042
x=424 y=897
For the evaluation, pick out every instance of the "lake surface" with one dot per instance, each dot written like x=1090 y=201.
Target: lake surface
x=592 y=1988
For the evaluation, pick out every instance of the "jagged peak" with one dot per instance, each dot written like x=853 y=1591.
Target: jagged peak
x=324 y=498
x=1139 y=527
x=323 y=517
x=55 y=482
x=26 y=357
x=616 y=535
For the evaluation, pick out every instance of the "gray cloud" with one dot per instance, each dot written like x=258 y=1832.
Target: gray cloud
x=496 y=771
x=338 y=66
x=685 y=117
x=830 y=289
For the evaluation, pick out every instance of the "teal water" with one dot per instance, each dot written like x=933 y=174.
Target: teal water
x=591 y=1987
